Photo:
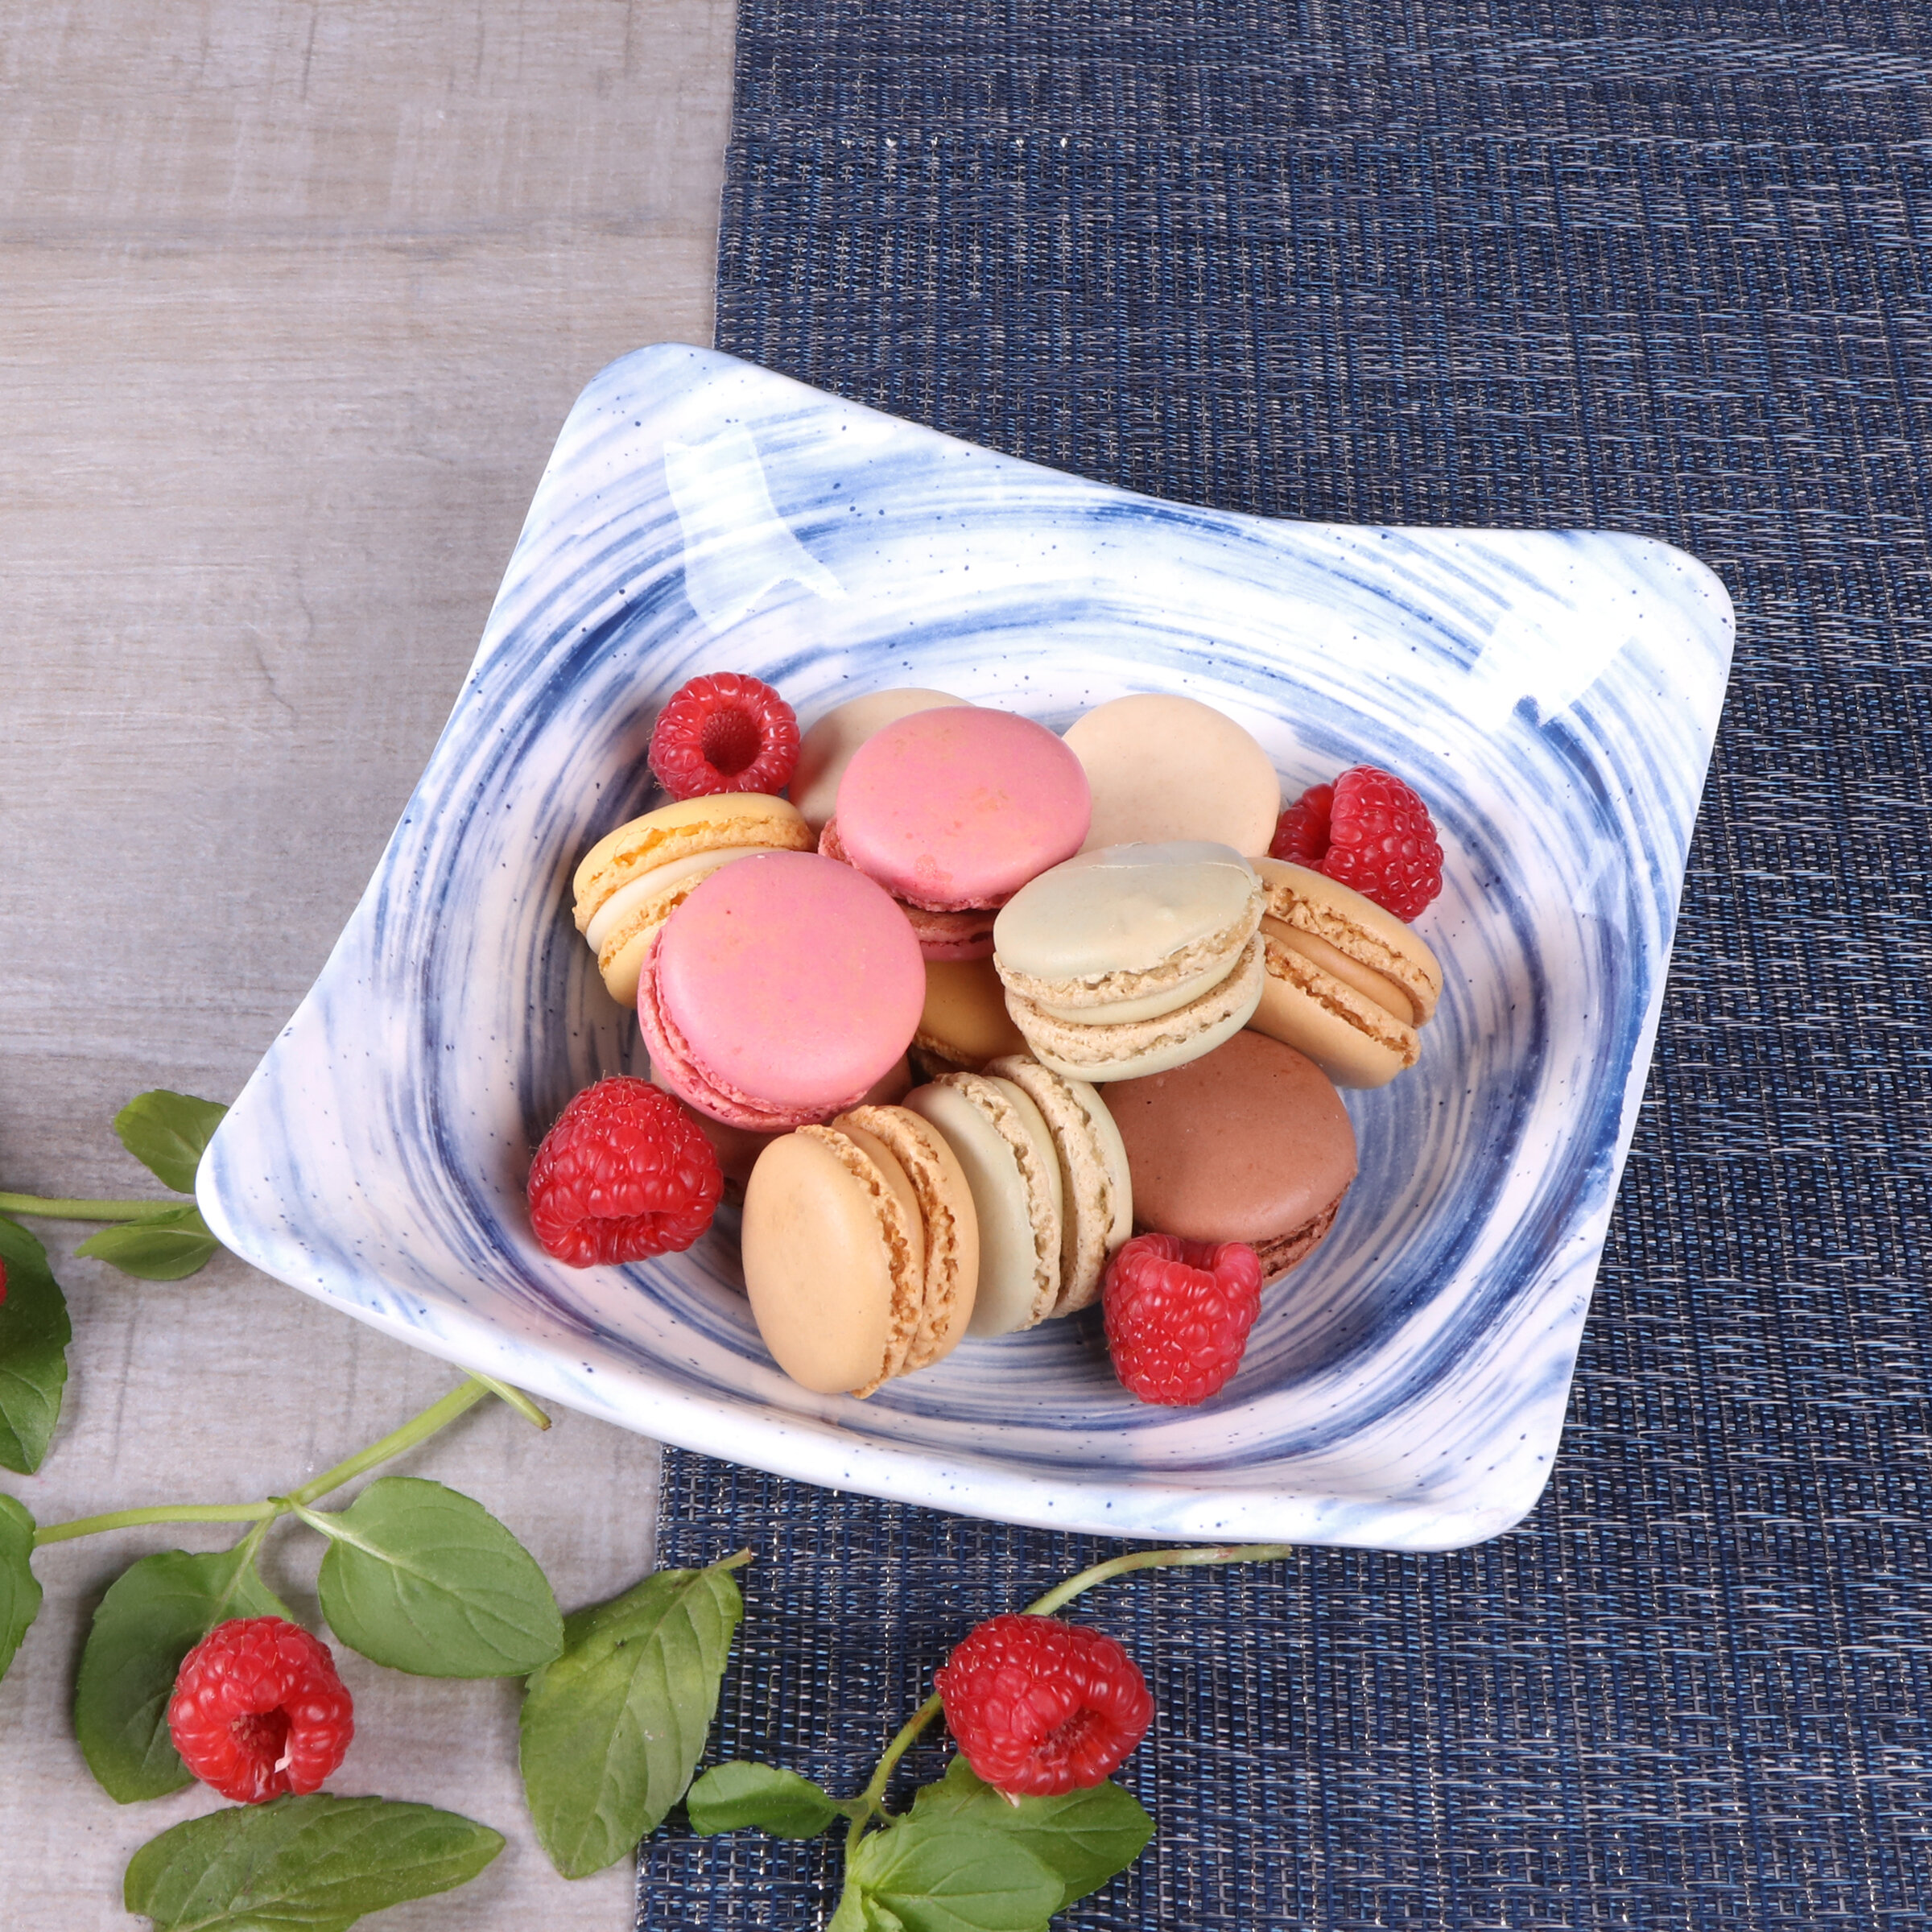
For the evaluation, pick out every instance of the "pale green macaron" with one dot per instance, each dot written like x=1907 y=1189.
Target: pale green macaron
x=1096 y=1191
x=1133 y=959
x=1006 y=1150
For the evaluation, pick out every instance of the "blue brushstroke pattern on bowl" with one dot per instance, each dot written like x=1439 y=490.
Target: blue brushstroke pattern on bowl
x=1553 y=694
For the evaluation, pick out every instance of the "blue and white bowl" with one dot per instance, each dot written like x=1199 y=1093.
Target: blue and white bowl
x=1553 y=696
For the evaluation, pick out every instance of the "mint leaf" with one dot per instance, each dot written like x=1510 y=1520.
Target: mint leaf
x=162 y=1246
x=948 y=1877
x=423 y=1579
x=759 y=1798
x=166 y=1132
x=154 y=1612
x=20 y=1592
x=612 y=1731
x=34 y=1335
x=1084 y=1838
x=317 y=1864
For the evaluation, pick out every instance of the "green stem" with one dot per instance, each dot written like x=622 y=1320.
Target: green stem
x=517 y=1399
x=1156 y=1559
x=437 y=1415
x=169 y=1512
x=51 y=1210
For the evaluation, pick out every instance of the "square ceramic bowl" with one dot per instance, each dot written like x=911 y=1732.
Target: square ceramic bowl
x=1553 y=694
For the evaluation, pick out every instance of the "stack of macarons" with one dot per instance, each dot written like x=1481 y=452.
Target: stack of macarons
x=1123 y=1015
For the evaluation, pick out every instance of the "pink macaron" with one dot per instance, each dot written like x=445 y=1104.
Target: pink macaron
x=781 y=989
x=952 y=811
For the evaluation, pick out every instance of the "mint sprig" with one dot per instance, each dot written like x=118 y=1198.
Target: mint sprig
x=154 y=1613
x=167 y=1133
x=316 y=1863
x=34 y=1335
x=426 y=1580
x=154 y=1241
x=20 y=1592
x=612 y=1730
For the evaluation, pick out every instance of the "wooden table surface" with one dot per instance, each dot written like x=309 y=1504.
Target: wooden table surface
x=293 y=300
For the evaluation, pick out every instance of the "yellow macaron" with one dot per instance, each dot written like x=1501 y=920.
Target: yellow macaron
x=632 y=879
x=1348 y=984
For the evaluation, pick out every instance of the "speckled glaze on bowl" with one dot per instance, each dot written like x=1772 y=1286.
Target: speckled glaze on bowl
x=1553 y=694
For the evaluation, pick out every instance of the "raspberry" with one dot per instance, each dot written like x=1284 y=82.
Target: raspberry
x=258 y=1709
x=1178 y=1314
x=1040 y=1706
x=624 y=1174
x=1368 y=831
x=724 y=733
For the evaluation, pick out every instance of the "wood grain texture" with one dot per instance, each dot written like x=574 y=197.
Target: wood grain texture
x=293 y=300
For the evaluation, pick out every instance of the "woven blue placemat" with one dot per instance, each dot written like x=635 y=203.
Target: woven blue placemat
x=1657 y=265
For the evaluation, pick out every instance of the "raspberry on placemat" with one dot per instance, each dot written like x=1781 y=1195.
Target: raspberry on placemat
x=1039 y=1707
x=625 y=1173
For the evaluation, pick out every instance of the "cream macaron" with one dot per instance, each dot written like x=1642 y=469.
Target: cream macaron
x=1162 y=767
x=861 y=1249
x=1129 y=960
x=632 y=879
x=1006 y=1151
x=1096 y=1190
x=1347 y=983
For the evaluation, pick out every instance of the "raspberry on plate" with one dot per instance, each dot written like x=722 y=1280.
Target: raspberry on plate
x=726 y=733
x=1178 y=1314
x=625 y=1173
x=1368 y=831
x=258 y=1710
x=1040 y=1706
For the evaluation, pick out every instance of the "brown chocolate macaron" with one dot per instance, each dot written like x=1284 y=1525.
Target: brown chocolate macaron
x=1248 y=1143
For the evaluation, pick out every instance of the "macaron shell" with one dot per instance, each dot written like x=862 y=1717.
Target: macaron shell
x=677 y=831
x=950 y=1225
x=786 y=981
x=826 y=746
x=1356 y=926
x=1163 y=767
x=1249 y=1143
x=819 y=1267
x=1099 y=1052
x=622 y=929
x=1097 y=1184
x=959 y=807
x=1120 y=923
x=966 y=934
x=964 y=1023
x=1015 y=1289
x=1354 y=1040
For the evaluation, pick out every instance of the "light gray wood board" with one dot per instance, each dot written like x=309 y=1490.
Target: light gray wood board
x=294 y=300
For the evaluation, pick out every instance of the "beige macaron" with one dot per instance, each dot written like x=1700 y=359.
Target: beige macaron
x=1096 y=1191
x=1348 y=984
x=1126 y=961
x=1006 y=1151
x=1163 y=767
x=632 y=879
x=861 y=1249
